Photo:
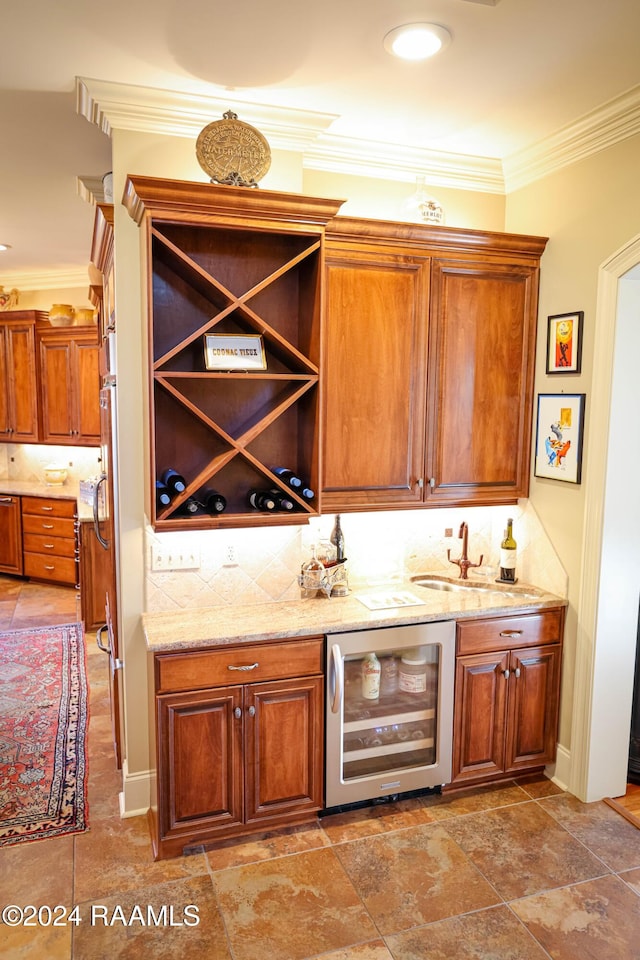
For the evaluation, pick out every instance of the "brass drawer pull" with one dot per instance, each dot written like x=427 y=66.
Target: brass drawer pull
x=251 y=666
x=48 y=566
x=47 y=509
x=47 y=526
x=511 y=633
x=49 y=546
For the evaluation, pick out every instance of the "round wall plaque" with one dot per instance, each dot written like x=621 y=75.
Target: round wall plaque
x=233 y=152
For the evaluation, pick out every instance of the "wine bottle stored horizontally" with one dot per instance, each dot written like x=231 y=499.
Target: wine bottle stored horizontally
x=163 y=497
x=212 y=501
x=188 y=508
x=282 y=501
x=174 y=481
x=288 y=476
x=337 y=538
x=262 y=500
x=508 y=551
x=307 y=492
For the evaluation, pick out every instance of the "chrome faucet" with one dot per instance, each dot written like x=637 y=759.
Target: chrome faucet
x=463 y=561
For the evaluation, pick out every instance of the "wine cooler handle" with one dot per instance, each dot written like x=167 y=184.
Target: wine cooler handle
x=338 y=677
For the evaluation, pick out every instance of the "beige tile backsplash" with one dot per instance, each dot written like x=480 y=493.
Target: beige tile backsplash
x=251 y=565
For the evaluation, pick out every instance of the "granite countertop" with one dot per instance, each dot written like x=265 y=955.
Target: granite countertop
x=216 y=626
x=58 y=491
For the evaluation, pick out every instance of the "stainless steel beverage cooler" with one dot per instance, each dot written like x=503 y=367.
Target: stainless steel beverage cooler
x=401 y=740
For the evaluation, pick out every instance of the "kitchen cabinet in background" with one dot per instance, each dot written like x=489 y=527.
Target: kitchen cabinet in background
x=507 y=693
x=70 y=385
x=19 y=376
x=50 y=539
x=10 y=535
x=428 y=365
x=239 y=741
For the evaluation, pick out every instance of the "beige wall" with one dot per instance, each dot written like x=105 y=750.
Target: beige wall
x=587 y=210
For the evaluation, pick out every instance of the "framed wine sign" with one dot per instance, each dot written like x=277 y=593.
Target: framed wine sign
x=559 y=432
x=564 y=342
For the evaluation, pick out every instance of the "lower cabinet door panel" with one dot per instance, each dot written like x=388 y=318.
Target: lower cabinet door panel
x=533 y=706
x=283 y=747
x=479 y=734
x=200 y=739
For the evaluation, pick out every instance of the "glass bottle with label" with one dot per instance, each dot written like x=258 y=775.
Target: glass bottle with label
x=508 y=550
x=370 y=677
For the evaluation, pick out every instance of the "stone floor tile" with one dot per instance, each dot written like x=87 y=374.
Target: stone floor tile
x=538 y=786
x=522 y=850
x=414 y=876
x=376 y=950
x=291 y=908
x=493 y=934
x=375 y=820
x=474 y=800
x=267 y=846
x=115 y=855
x=38 y=872
x=599 y=919
x=600 y=828
x=178 y=919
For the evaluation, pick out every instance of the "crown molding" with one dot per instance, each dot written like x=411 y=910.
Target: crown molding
x=614 y=121
x=371 y=158
x=150 y=110
x=146 y=109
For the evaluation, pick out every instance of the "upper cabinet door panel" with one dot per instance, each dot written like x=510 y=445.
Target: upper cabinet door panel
x=374 y=375
x=481 y=360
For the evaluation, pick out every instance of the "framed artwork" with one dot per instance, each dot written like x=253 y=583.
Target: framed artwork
x=564 y=342
x=559 y=432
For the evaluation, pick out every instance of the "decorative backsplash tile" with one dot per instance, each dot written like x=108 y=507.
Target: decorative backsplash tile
x=251 y=565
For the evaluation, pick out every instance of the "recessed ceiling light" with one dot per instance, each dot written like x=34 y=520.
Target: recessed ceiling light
x=4 y=246
x=416 y=41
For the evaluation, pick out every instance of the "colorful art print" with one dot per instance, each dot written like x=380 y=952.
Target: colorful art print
x=559 y=433
x=564 y=342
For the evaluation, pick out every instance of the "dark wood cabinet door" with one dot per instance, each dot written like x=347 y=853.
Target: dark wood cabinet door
x=200 y=771
x=56 y=380
x=534 y=693
x=10 y=535
x=480 y=715
x=374 y=371
x=283 y=748
x=481 y=356
x=87 y=393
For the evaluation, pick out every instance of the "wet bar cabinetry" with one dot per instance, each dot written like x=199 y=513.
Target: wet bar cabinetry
x=507 y=693
x=236 y=262
x=238 y=740
x=428 y=365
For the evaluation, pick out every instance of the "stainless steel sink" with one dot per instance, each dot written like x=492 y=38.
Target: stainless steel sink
x=470 y=586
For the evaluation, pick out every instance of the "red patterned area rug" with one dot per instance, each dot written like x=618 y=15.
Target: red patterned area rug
x=43 y=733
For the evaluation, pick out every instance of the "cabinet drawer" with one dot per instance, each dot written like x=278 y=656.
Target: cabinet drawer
x=42 y=506
x=500 y=633
x=57 y=569
x=48 y=526
x=56 y=546
x=215 y=668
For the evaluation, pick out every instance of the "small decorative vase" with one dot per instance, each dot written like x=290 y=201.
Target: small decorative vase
x=61 y=315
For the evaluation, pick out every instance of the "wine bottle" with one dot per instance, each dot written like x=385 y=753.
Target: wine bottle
x=508 y=549
x=337 y=538
x=307 y=493
x=212 y=501
x=188 y=508
x=282 y=501
x=163 y=497
x=262 y=500
x=174 y=481
x=288 y=476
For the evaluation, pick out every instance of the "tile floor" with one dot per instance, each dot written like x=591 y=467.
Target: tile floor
x=510 y=872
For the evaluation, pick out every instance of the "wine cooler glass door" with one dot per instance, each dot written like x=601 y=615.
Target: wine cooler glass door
x=390 y=701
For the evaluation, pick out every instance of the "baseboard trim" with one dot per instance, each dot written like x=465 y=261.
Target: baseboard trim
x=560 y=772
x=136 y=792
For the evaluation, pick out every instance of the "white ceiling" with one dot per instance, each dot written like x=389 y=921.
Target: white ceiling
x=519 y=78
